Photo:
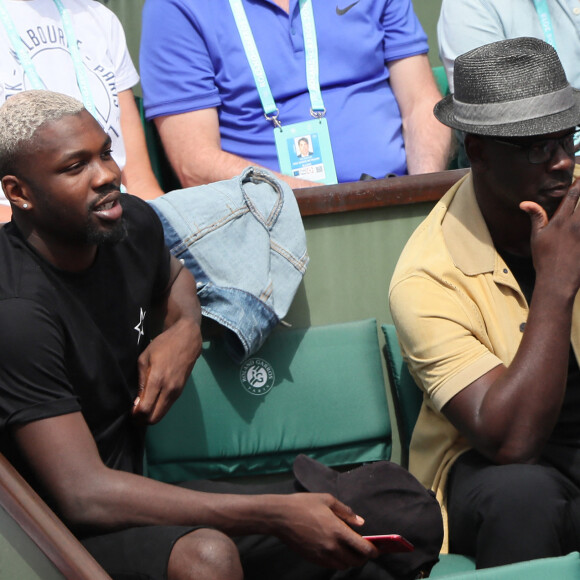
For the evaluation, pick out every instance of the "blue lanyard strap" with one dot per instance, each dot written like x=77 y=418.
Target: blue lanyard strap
x=28 y=65
x=310 y=50
x=253 y=56
x=545 y=21
x=18 y=46
x=80 y=71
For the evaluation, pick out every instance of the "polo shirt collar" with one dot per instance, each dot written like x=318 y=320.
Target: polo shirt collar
x=465 y=231
x=471 y=248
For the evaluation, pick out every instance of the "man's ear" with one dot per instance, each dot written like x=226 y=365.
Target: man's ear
x=16 y=192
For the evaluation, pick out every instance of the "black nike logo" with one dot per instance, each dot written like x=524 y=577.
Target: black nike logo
x=341 y=11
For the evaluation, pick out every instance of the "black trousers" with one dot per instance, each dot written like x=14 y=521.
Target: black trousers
x=500 y=514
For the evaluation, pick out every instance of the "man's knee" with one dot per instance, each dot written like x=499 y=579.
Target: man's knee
x=518 y=488
x=476 y=485
x=204 y=554
x=507 y=513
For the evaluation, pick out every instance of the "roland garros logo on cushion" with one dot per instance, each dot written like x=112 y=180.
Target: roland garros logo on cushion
x=257 y=376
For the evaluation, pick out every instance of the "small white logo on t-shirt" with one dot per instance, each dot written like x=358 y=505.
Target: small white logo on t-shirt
x=139 y=327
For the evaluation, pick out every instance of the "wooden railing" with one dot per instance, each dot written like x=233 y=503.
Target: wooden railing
x=43 y=527
x=376 y=193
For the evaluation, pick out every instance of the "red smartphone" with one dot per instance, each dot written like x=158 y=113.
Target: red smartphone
x=390 y=543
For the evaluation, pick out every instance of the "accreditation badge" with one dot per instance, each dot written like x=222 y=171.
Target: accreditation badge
x=304 y=151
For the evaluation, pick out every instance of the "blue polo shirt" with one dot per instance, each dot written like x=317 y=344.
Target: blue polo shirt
x=192 y=58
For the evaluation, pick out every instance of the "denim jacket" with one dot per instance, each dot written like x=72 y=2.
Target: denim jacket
x=244 y=242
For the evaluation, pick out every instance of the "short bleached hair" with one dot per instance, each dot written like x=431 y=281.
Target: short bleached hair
x=23 y=114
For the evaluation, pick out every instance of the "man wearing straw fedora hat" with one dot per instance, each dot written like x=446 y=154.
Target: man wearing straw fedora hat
x=483 y=298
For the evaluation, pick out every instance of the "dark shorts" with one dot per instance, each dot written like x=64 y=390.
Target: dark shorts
x=136 y=553
x=143 y=553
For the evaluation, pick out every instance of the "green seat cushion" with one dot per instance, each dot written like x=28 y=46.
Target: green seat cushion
x=561 y=568
x=451 y=564
x=318 y=391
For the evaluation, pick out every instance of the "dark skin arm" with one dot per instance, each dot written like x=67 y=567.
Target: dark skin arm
x=509 y=413
x=166 y=363
x=89 y=496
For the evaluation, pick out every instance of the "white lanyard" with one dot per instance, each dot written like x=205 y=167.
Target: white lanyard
x=28 y=65
x=310 y=50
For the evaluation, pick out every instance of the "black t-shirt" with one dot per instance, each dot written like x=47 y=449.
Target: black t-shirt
x=567 y=429
x=70 y=341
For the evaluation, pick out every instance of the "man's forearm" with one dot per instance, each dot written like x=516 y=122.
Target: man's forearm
x=193 y=145
x=524 y=403
x=166 y=363
x=93 y=498
x=138 y=176
x=219 y=165
x=120 y=500
x=427 y=141
x=428 y=144
x=317 y=526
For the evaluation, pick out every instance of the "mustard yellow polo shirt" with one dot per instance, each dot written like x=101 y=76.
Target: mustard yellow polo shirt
x=459 y=312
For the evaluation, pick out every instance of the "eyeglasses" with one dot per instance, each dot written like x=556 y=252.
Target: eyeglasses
x=542 y=151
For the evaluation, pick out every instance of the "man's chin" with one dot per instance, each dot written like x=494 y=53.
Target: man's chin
x=551 y=204
x=107 y=236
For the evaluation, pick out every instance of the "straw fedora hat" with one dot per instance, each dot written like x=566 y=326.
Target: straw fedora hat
x=510 y=88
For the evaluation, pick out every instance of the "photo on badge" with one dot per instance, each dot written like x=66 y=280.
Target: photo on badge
x=304 y=151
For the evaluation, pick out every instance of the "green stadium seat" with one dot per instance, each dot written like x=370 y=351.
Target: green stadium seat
x=318 y=391
x=561 y=568
x=407 y=399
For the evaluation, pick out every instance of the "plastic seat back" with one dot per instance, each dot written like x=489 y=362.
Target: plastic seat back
x=407 y=397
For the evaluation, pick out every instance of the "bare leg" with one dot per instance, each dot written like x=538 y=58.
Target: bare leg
x=204 y=554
